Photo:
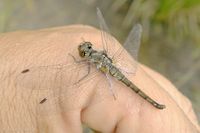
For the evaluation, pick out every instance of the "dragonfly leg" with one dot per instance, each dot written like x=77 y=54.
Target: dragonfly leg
x=77 y=61
x=88 y=72
x=110 y=85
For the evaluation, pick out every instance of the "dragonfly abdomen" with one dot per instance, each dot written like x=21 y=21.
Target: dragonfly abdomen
x=121 y=77
x=142 y=94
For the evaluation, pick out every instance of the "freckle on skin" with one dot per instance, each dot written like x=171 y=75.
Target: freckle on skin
x=25 y=71
x=43 y=100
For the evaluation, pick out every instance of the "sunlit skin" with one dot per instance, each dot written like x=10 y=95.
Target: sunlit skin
x=50 y=46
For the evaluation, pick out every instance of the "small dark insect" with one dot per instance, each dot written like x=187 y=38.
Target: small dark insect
x=43 y=100
x=25 y=71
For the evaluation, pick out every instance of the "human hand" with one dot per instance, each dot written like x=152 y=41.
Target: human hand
x=50 y=46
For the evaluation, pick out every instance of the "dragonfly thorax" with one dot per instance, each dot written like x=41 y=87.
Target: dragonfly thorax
x=99 y=58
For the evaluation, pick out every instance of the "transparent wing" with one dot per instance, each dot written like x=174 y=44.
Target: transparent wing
x=59 y=88
x=94 y=91
x=133 y=41
x=131 y=45
x=107 y=40
x=47 y=77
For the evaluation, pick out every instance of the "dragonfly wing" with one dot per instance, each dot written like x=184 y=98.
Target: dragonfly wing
x=48 y=77
x=92 y=90
x=69 y=96
x=133 y=41
x=131 y=45
x=59 y=88
x=107 y=39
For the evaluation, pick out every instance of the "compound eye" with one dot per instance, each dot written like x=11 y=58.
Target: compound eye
x=82 y=54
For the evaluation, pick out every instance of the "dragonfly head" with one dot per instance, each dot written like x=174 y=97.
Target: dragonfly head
x=85 y=49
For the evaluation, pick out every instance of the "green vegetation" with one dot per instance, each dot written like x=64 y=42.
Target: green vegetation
x=175 y=19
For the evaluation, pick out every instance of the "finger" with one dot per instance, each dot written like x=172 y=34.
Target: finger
x=95 y=116
x=182 y=101
x=52 y=119
x=139 y=116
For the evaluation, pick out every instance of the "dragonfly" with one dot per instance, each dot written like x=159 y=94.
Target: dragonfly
x=67 y=83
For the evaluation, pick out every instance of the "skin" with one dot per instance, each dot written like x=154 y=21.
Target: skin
x=22 y=49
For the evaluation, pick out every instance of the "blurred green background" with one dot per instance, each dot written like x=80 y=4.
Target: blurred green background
x=171 y=30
